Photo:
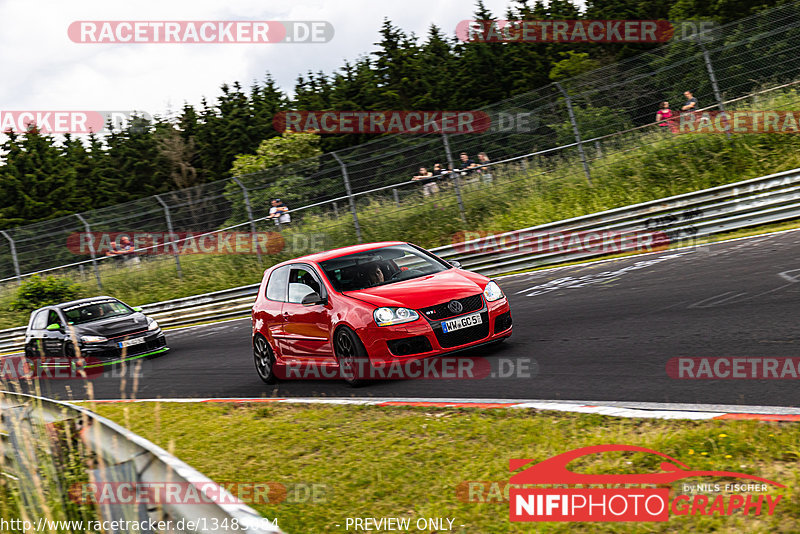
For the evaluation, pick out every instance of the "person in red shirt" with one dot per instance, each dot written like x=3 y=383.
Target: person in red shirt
x=664 y=117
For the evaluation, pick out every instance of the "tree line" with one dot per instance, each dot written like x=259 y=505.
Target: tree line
x=44 y=176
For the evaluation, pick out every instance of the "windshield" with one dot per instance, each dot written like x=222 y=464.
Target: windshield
x=94 y=311
x=380 y=266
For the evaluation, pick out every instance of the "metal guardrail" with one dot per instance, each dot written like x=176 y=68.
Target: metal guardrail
x=680 y=218
x=121 y=456
x=753 y=202
x=225 y=304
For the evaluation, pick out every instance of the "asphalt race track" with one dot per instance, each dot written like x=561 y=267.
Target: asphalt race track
x=596 y=332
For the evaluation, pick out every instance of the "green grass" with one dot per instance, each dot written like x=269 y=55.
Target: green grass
x=642 y=167
x=48 y=458
x=408 y=462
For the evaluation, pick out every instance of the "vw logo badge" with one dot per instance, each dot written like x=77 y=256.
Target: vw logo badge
x=455 y=307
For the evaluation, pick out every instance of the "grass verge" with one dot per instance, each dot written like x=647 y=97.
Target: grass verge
x=370 y=461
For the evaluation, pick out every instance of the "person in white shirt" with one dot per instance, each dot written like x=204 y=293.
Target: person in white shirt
x=279 y=212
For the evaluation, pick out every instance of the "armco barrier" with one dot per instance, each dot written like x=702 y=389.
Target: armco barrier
x=225 y=304
x=703 y=213
x=763 y=200
x=120 y=456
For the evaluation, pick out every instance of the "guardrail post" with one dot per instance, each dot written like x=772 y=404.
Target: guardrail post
x=576 y=132
x=396 y=197
x=457 y=176
x=91 y=250
x=13 y=256
x=713 y=78
x=349 y=191
x=172 y=235
x=250 y=215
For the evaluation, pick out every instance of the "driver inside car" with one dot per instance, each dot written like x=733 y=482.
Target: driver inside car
x=375 y=274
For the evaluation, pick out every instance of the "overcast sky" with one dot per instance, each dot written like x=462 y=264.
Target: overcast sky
x=44 y=70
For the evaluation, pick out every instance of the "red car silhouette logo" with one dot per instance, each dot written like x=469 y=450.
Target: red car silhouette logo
x=554 y=470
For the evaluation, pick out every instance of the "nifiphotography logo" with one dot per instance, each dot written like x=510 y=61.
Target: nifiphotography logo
x=650 y=502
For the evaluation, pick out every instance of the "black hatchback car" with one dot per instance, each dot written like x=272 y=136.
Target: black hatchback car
x=99 y=327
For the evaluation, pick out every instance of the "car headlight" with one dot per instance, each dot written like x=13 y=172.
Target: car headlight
x=153 y=325
x=93 y=339
x=492 y=291
x=392 y=316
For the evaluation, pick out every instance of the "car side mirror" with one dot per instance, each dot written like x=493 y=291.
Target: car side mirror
x=137 y=308
x=455 y=263
x=54 y=326
x=313 y=298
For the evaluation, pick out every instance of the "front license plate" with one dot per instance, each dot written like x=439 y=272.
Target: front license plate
x=461 y=322
x=130 y=342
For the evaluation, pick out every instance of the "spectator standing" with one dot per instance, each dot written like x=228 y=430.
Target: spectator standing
x=691 y=103
x=464 y=162
x=428 y=178
x=122 y=251
x=486 y=174
x=664 y=118
x=280 y=212
x=466 y=165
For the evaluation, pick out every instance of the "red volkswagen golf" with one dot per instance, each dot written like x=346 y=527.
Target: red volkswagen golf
x=351 y=310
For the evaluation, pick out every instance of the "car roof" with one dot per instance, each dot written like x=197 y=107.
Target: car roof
x=344 y=251
x=74 y=302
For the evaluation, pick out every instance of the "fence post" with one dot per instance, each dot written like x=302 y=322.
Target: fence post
x=349 y=191
x=576 y=132
x=396 y=196
x=457 y=176
x=91 y=250
x=172 y=235
x=13 y=256
x=713 y=78
x=250 y=215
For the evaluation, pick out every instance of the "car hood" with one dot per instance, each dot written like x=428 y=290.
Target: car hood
x=115 y=326
x=425 y=291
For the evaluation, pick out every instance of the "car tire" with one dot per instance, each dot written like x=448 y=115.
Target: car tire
x=30 y=351
x=351 y=356
x=264 y=359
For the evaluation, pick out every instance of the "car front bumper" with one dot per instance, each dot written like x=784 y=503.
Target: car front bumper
x=153 y=343
x=424 y=338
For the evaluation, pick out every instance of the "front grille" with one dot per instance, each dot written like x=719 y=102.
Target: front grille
x=463 y=336
x=441 y=311
x=409 y=345
x=502 y=322
x=134 y=350
x=133 y=333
